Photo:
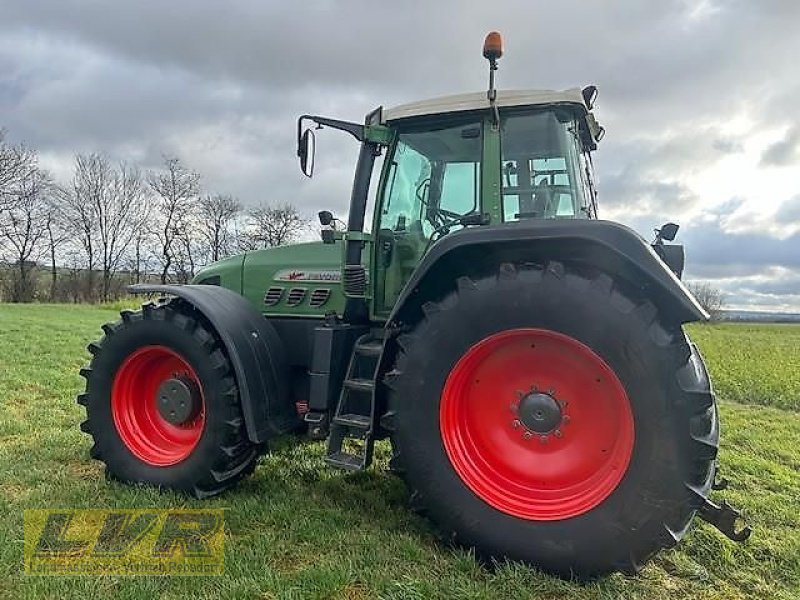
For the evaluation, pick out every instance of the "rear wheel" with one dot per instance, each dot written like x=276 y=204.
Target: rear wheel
x=548 y=416
x=162 y=405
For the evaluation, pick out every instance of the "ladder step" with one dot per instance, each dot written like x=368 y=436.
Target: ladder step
x=361 y=385
x=346 y=461
x=315 y=418
x=372 y=348
x=362 y=422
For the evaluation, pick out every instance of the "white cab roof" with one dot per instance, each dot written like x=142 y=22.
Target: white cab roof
x=478 y=100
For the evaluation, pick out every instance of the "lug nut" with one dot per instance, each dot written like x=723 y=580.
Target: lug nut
x=565 y=419
x=558 y=433
x=543 y=439
x=527 y=435
x=516 y=423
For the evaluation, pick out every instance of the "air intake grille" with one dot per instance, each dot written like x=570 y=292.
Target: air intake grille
x=273 y=296
x=319 y=297
x=296 y=296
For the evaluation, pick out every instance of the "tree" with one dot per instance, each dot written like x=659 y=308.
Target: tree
x=77 y=205
x=17 y=162
x=23 y=229
x=120 y=214
x=186 y=249
x=216 y=215
x=269 y=226
x=175 y=189
x=56 y=236
x=138 y=258
x=710 y=298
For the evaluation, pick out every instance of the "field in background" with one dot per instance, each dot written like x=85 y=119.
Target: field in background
x=299 y=530
x=753 y=364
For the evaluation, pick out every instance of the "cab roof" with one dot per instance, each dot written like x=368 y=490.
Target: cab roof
x=478 y=101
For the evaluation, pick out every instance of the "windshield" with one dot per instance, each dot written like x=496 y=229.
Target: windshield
x=542 y=175
x=433 y=179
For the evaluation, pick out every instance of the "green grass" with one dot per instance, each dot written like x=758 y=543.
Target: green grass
x=753 y=364
x=299 y=530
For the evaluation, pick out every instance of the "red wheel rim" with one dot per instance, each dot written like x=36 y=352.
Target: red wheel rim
x=141 y=427
x=488 y=432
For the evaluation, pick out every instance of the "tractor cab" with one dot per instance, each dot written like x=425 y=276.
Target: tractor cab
x=451 y=166
x=453 y=163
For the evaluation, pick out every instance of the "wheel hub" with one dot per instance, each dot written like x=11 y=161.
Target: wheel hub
x=178 y=400
x=539 y=413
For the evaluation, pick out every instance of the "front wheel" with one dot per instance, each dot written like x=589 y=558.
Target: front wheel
x=162 y=404
x=549 y=416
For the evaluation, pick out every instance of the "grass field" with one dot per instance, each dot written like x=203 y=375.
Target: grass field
x=298 y=530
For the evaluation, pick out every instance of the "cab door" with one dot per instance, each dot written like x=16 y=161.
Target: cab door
x=431 y=178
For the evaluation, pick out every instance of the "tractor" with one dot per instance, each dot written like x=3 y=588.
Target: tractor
x=526 y=360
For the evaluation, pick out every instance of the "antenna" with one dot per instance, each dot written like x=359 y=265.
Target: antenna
x=492 y=50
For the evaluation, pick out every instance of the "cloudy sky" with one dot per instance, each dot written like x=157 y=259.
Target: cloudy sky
x=699 y=98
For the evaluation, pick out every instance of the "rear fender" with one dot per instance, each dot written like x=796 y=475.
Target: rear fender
x=605 y=245
x=254 y=349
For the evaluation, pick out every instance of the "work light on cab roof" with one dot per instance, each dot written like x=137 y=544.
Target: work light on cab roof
x=525 y=359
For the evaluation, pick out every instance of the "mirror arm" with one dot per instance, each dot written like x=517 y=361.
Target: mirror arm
x=354 y=129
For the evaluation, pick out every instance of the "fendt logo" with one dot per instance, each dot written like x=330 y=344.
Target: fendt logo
x=124 y=542
x=313 y=276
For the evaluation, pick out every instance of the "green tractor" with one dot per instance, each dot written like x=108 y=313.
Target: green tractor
x=526 y=360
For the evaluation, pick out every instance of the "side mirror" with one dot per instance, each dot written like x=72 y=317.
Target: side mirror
x=328 y=233
x=589 y=94
x=668 y=231
x=306 y=147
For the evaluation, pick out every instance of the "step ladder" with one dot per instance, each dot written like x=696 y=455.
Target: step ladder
x=351 y=439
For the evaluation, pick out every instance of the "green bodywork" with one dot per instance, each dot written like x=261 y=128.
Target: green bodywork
x=304 y=280
x=309 y=267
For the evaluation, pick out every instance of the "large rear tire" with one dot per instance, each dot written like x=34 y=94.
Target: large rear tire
x=552 y=416
x=162 y=405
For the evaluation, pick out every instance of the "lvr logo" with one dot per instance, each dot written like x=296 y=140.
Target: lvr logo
x=124 y=541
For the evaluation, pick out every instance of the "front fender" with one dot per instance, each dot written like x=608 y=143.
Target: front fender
x=255 y=351
x=605 y=245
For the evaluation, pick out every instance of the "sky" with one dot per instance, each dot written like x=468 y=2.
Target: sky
x=698 y=97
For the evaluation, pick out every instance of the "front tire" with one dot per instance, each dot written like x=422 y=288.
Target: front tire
x=553 y=417
x=195 y=441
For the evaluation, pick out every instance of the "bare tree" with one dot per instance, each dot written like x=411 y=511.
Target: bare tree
x=23 y=229
x=90 y=186
x=187 y=249
x=56 y=236
x=269 y=226
x=137 y=260
x=710 y=298
x=216 y=216
x=17 y=162
x=176 y=189
x=120 y=214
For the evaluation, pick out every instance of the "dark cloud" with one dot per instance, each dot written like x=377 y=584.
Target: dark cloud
x=789 y=212
x=221 y=83
x=785 y=151
x=710 y=245
x=727 y=145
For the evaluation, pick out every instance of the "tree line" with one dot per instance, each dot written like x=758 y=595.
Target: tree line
x=112 y=224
